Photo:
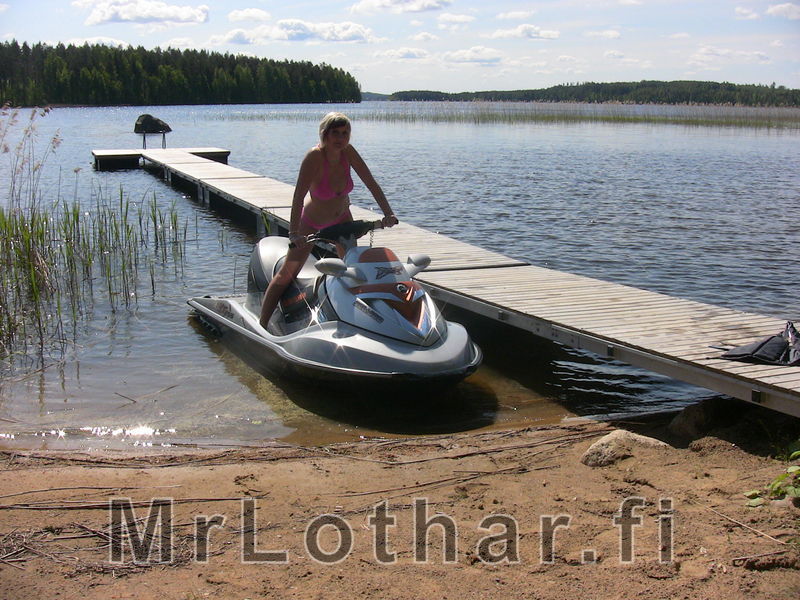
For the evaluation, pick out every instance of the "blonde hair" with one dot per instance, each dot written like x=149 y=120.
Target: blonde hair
x=331 y=121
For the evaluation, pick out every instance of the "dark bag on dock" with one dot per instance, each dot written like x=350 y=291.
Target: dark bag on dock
x=781 y=349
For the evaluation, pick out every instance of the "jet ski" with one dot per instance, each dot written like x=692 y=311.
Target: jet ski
x=359 y=319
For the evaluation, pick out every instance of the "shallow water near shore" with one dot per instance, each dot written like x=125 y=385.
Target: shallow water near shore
x=696 y=211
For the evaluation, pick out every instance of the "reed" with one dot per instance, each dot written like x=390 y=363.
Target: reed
x=61 y=260
x=512 y=113
x=517 y=113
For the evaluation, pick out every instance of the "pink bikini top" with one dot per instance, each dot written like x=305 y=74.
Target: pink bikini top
x=324 y=191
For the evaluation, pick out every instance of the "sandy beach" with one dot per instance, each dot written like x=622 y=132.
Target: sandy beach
x=511 y=513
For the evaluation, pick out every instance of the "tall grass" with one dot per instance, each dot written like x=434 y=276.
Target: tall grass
x=517 y=113
x=61 y=259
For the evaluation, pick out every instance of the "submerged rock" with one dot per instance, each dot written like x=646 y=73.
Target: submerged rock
x=696 y=420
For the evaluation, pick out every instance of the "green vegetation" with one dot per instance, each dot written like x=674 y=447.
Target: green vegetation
x=641 y=92
x=372 y=96
x=61 y=260
x=517 y=113
x=785 y=447
x=785 y=485
x=99 y=75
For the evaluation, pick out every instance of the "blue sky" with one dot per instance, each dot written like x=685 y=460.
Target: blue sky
x=451 y=45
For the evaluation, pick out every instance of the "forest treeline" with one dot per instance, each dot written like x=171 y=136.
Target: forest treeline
x=98 y=75
x=639 y=92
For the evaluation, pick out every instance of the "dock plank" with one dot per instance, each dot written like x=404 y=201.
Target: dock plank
x=262 y=193
x=172 y=157
x=406 y=239
x=129 y=158
x=663 y=327
x=208 y=170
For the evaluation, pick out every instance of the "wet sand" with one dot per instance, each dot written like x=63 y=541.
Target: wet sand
x=525 y=518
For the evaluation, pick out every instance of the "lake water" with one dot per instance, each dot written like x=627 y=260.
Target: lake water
x=708 y=213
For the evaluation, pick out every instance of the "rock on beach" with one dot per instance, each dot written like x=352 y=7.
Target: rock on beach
x=616 y=446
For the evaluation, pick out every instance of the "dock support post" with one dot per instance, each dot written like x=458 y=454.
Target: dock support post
x=203 y=195
x=266 y=223
x=261 y=228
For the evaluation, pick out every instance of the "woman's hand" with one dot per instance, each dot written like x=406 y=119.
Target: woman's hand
x=297 y=241
x=389 y=221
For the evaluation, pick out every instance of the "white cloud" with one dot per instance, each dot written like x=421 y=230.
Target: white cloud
x=711 y=57
x=4 y=7
x=424 y=36
x=451 y=18
x=345 y=31
x=620 y=59
x=454 y=22
x=296 y=30
x=403 y=54
x=745 y=14
x=249 y=14
x=141 y=11
x=567 y=65
x=679 y=36
x=516 y=15
x=477 y=54
x=183 y=42
x=239 y=36
x=525 y=31
x=631 y=2
x=788 y=10
x=777 y=44
x=608 y=34
x=399 y=6
x=102 y=40
x=525 y=62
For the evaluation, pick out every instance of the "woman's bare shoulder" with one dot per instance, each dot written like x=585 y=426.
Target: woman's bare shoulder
x=314 y=151
x=352 y=154
x=313 y=157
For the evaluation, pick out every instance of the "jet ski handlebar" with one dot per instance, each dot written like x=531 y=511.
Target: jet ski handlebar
x=342 y=232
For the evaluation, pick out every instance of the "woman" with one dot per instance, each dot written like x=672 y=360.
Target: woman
x=325 y=177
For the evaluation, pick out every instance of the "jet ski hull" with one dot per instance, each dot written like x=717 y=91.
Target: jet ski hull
x=338 y=353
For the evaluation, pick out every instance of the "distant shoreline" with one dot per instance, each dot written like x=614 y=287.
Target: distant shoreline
x=635 y=92
x=385 y=98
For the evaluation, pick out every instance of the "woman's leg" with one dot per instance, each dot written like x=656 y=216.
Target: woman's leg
x=295 y=259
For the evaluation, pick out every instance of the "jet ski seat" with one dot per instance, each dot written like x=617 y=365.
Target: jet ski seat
x=267 y=258
x=301 y=293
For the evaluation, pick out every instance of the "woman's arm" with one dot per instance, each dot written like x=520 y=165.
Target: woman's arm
x=309 y=166
x=361 y=168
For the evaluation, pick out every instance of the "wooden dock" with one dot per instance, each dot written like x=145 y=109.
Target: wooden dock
x=109 y=160
x=672 y=336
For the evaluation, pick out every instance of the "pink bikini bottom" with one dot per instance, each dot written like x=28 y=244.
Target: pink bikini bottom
x=345 y=216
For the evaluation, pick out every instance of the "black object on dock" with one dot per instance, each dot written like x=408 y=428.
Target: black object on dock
x=148 y=124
